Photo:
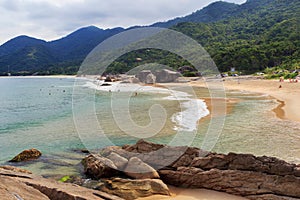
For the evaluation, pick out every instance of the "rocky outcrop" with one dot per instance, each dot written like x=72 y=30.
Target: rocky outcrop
x=142 y=75
x=137 y=169
x=26 y=155
x=16 y=185
x=166 y=76
x=239 y=174
x=97 y=167
x=159 y=76
x=132 y=189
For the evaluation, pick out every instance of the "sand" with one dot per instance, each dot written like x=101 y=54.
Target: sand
x=194 y=194
x=288 y=95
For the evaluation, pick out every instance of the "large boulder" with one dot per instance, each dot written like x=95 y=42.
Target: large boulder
x=150 y=79
x=26 y=155
x=119 y=161
x=137 y=169
x=133 y=189
x=166 y=76
x=237 y=182
x=142 y=75
x=97 y=167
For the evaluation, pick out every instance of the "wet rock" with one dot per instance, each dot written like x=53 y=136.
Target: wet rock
x=137 y=169
x=26 y=155
x=133 y=189
x=97 y=167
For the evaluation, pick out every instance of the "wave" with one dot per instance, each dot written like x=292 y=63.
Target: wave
x=192 y=108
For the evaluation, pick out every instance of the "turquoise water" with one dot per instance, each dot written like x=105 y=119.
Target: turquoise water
x=38 y=113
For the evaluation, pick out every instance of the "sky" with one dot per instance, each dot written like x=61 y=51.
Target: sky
x=53 y=19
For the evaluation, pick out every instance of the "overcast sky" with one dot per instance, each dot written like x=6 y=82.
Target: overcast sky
x=52 y=19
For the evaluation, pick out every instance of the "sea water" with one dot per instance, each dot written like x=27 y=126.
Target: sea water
x=39 y=113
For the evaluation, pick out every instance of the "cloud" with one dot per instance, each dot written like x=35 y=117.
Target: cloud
x=51 y=19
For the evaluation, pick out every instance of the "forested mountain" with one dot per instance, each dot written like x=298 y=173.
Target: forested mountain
x=26 y=55
x=250 y=37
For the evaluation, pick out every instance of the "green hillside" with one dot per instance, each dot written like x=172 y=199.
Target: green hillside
x=251 y=37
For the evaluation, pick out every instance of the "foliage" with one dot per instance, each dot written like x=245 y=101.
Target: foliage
x=65 y=179
x=251 y=37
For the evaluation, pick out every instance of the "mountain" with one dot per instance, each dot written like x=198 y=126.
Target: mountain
x=251 y=37
x=212 y=13
x=19 y=43
x=26 y=55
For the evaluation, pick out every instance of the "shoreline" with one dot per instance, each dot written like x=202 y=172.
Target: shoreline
x=47 y=76
x=286 y=96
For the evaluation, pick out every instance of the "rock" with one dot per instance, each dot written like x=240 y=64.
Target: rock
x=269 y=197
x=133 y=189
x=243 y=183
x=150 y=79
x=15 y=169
x=14 y=189
x=27 y=155
x=142 y=75
x=119 y=161
x=137 y=169
x=97 y=167
x=143 y=146
x=15 y=185
x=246 y=162
x=166 y=76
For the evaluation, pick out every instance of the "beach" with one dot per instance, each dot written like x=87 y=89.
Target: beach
x=193 y=194
x=287 y=95
x=288 y=109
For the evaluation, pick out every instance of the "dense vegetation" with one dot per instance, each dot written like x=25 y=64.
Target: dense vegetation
x=254 y=36
x=262 y=34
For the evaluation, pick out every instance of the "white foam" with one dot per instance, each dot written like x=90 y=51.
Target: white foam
x=192 y=109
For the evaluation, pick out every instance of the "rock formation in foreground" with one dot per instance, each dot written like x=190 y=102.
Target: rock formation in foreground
x=264 y=178
x=19 y=184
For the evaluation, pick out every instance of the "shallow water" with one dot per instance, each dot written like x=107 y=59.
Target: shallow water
x=38 y=113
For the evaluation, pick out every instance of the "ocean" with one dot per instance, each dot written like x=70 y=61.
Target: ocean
x=61 y=116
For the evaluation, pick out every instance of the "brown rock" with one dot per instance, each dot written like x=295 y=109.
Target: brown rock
x=270 y=197
x=16 y=185
x=133 y=189
x=137 y=169
x=15 y=169
x=143 y=146
x=243 y=183
x=98 y=167
x=26 y=155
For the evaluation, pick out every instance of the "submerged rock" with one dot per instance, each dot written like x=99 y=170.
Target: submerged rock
x=133 y=189
x=26 y=155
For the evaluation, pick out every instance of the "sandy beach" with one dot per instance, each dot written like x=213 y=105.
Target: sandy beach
x=287 y=95
x=194 y=194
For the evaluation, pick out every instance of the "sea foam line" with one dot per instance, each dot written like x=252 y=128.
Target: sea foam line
x=192 y=109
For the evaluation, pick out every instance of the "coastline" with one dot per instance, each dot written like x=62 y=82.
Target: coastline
x=287 y=95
